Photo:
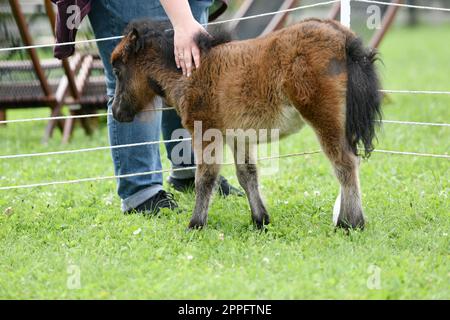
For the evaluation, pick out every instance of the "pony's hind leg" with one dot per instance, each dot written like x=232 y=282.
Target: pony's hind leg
x=247 y=174
x=347 y=211
x=330 y=130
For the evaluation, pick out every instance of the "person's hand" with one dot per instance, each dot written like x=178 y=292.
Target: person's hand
x=187 y=53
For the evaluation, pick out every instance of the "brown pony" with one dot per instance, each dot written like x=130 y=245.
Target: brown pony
x=315 y=72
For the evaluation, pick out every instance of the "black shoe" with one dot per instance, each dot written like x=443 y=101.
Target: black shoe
x=182 y=185
x=186 y=185
x=160 y=200
x=225 y=189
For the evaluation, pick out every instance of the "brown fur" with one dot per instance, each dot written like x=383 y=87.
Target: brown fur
x=248 y=84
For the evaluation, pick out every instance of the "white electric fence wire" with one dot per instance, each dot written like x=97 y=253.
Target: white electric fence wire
x=208 y=24
x=50 y=45
x=187 y=139
x=63 y=152
x=405 y=153
x=94 y=115
x=52 y=183
x=120 y=146
x=416 y=92
x=171 y=108
x=213 y=23
x=82 y=116
x=404 y=5
x=414 y=123
x=43 y=184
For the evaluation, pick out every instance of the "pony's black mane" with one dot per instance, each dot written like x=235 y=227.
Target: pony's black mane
x=160 y=34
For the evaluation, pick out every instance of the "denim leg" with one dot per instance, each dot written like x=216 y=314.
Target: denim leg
x=109 y=18
x=179 y=153
x=135 y=190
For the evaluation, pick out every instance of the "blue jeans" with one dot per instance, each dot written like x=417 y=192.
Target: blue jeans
x=109 y=18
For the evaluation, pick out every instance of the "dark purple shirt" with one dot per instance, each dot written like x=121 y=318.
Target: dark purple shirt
x=66 y=34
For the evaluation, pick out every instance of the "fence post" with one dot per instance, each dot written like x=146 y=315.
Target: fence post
x=345 y=13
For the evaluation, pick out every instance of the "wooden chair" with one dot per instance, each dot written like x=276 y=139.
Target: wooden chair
x=78 y=81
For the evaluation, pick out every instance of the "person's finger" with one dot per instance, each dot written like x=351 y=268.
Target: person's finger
x=182 y=58
x=196 y=56
x=188 y=61
x=177 y=60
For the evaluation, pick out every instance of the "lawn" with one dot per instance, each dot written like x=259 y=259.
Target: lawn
x=56 y=234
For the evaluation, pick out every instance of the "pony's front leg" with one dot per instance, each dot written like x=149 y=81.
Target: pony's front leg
x=205 y=180
x=248 y=178
x=247 y=175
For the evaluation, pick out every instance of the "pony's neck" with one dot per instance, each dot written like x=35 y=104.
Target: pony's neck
x=172 y=83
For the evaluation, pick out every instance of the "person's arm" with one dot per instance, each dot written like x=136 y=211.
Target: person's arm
x=185 y=27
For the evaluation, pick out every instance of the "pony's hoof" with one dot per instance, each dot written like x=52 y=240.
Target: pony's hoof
x=260 y=222
x=354 y=224
x=195 y=224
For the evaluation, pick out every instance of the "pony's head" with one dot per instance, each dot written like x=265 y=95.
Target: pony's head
x=145 y=54
x=144 y=50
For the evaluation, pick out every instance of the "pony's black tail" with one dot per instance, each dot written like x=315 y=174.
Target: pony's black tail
x=363 y=112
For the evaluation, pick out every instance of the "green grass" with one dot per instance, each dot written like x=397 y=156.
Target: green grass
x=301 y=255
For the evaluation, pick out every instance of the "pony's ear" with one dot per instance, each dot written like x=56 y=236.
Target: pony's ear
x=136 y=41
